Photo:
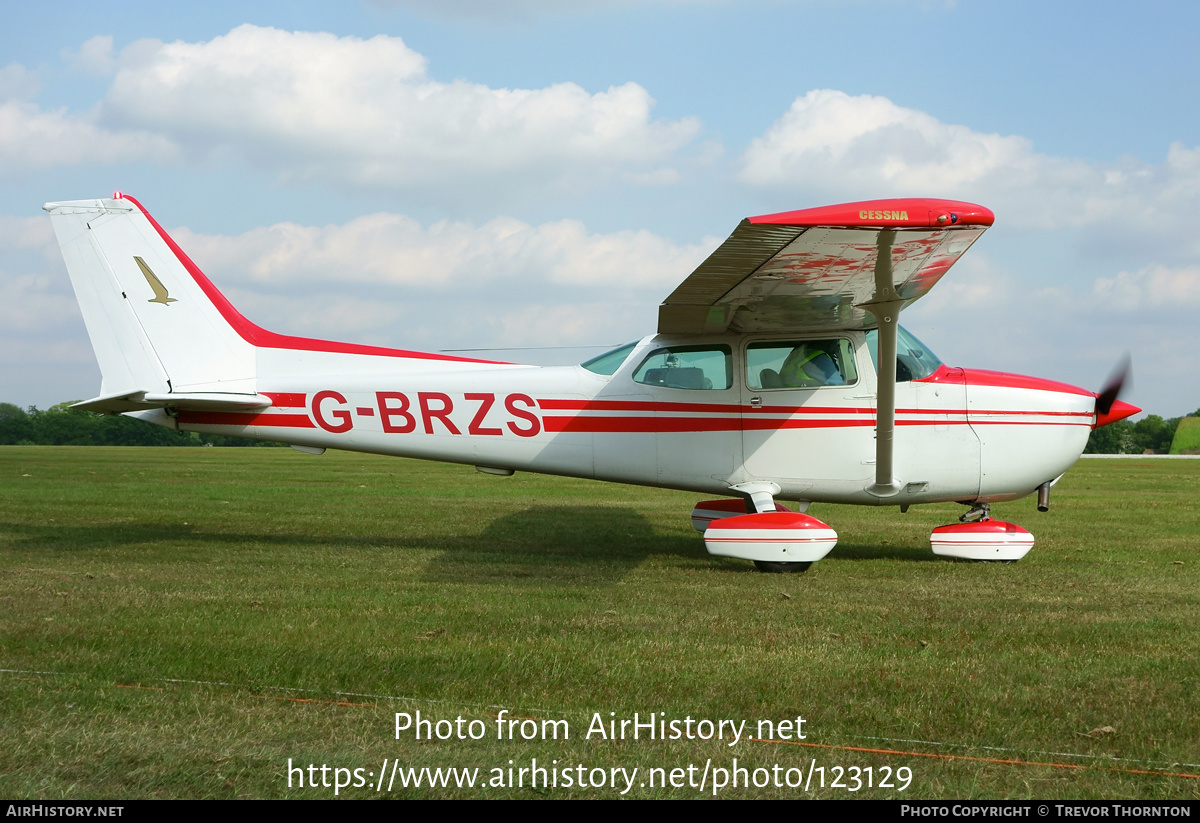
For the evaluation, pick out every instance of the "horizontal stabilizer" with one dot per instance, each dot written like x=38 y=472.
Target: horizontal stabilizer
x=195 y=401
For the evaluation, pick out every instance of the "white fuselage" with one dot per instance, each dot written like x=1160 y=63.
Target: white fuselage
x=960 y=435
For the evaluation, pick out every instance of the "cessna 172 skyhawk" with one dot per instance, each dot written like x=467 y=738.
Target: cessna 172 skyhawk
x=779 y=371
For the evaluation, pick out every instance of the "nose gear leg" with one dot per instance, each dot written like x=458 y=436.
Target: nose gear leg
x=978 y=513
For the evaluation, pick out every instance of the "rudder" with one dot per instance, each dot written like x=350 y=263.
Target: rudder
x=153 y=325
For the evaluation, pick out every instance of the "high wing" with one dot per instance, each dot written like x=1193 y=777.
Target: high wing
x=853 y=266
x=819 y=269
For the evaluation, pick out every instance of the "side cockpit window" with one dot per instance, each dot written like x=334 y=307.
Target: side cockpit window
x=914 y=360
x=800 y=364
x=687 y=367
x=608 y=363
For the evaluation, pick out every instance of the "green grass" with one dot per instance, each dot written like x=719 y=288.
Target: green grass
x=1187 y=437
x=162 y=611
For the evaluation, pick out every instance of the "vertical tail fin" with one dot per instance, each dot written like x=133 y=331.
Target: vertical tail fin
x=153 y=324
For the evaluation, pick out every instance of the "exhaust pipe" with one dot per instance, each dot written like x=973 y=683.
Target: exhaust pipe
x=1044 y=496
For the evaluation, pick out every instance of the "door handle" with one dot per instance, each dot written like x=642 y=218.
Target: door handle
x=756 y=402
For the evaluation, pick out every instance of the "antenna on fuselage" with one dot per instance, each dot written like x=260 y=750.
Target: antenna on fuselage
x=535 y=348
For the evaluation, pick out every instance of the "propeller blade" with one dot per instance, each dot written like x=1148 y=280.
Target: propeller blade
x=1112 y=389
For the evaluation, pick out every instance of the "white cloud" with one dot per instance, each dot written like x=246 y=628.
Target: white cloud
x=393 y=249
x=33 y=303
x=25 y=233
x=868 y=147
x=512 y=11
x=364 y=112
x=44 y=353
x=1088 y=260
x=1154 y=287
x=95 y=56
x=975 y=284
x=18 y=83
x=35 y=295
x=490 y=11
x=385 y=278
x=659 y=177
x=828 y=134
x=382 y=278
x=32 y=139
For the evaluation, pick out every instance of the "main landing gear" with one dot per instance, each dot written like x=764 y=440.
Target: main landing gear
x=781 y=541
x=778 y=540
x=978 y=537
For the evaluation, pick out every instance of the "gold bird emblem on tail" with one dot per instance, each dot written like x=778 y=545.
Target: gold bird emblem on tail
x=160 y=291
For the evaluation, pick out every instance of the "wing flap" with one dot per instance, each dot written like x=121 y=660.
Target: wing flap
x=816 y=269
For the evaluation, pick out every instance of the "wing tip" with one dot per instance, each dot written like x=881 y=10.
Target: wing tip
x=900 y=212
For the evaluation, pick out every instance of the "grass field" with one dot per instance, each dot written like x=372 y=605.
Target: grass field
x=1187 y=437
x=181 y=623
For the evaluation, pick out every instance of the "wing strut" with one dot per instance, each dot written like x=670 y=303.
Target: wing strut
x=885 y=305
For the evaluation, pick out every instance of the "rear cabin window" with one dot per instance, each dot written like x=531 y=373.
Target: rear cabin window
x=800 y=364
x=698 y=368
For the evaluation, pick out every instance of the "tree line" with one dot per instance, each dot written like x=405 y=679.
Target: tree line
x=1150 y=434
x=60 y=425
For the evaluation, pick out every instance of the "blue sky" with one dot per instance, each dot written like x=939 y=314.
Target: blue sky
x=462 y=174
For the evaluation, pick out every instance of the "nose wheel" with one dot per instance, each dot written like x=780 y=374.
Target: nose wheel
x=770 y=567
x=976 y=536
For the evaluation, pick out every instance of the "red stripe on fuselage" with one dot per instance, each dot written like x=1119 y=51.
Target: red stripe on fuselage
x=1088 y=424
x=553 y=404
x=977 y=413
x=287 y=400
x=729 y=417
x=688 y=424
x=821 y=539
x=555 y=425
x=1003 y=380
x=211 y=418
x=596 y=424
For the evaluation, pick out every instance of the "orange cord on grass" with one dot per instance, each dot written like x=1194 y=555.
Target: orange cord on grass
x=936 y=756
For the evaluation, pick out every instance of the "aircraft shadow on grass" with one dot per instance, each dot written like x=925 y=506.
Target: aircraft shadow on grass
x=541 y=544
x=559 y=544
x=552 y=545
x=596 y=544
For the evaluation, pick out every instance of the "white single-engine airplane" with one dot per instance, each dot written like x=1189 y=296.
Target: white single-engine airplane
x=779 y=371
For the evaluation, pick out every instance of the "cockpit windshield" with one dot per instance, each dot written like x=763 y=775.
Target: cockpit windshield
x=610 y=361
x=914 y=360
